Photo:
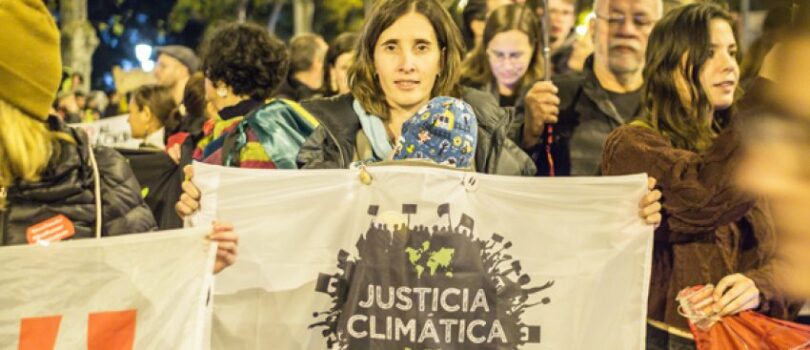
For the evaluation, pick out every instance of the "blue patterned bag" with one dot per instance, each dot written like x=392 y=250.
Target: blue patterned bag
x=444 y=131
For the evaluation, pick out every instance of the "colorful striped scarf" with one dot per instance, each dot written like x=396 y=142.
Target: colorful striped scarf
x=269 y=137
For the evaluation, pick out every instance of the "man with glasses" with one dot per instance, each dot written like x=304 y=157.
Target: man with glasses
x=584 y=107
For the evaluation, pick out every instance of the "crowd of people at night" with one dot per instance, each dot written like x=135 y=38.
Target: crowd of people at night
x=642 y=86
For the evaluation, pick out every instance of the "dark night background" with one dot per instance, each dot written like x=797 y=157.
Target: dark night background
x=121 y=24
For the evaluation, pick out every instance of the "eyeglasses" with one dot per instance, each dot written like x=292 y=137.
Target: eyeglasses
x=502 y=57
x=616 y=20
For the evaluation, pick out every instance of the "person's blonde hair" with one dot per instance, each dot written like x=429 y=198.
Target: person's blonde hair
x=26 y=147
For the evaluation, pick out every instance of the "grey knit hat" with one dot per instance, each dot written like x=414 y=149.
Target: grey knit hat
x=183 y=54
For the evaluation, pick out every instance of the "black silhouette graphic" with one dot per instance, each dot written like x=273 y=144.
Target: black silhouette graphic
x=418 y=287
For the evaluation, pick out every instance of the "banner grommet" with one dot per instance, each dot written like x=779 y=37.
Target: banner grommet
x=365 y=177
x=470 y=182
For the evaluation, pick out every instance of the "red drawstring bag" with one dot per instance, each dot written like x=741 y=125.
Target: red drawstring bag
x=747 y=330
x=751 y=330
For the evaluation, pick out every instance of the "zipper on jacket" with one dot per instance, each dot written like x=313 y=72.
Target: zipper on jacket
x=340 y=150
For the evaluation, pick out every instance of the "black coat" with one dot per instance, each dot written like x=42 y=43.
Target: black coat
x=332 y=144
x=294 y=90
x=67 y=187
x=587 y=117
x=160 y=179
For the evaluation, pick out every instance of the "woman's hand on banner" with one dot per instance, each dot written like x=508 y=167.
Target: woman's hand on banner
x=228 y=244
x=651 y=204
x=734 y=294
x=190 y=199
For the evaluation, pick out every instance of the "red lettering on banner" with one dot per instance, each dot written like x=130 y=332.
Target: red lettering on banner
x=111 y=330
x=39 y=333
x=105 y=330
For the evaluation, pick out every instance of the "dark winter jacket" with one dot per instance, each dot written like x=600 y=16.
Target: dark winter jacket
x=294 y=90
x=560 y=58
x=587 y=117
x=67 y=188
x=332 y=145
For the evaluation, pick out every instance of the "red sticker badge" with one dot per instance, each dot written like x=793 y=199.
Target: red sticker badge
x=51 y=230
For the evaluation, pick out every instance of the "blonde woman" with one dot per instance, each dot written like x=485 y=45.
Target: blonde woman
x=49 y=172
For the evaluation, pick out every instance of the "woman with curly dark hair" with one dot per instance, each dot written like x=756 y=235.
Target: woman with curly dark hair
x=244 y=66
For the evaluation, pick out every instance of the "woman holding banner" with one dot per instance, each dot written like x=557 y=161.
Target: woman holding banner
x=49 y=173
x=713 y=232
x=409 y=53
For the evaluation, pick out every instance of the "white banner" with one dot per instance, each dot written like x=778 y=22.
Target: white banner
x=110 y=132
x=428 y=258
x=139 y=291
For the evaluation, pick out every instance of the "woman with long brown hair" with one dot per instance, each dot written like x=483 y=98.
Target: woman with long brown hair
x=408 y=53
x=510 y=57
x=688 y=139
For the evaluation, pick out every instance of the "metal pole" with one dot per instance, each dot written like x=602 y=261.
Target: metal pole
x=547 y=77
x=544 y=28
x=546 y=47
x=745 y=10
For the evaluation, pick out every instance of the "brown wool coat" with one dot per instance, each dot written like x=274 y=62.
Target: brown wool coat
x=710 y=230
